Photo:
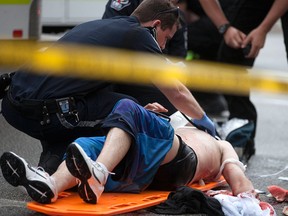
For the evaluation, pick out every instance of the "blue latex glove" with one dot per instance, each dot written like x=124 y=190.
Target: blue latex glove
x=205 y=124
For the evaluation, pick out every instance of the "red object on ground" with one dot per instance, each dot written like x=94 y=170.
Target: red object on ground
x=265 y=205
x=280 y=194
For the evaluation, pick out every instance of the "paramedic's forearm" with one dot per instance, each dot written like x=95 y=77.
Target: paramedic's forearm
x=182 y=99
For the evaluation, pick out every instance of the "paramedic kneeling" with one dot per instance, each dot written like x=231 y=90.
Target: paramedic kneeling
x=56 y=110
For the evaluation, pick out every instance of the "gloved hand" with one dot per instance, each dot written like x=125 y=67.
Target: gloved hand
x=205 y=124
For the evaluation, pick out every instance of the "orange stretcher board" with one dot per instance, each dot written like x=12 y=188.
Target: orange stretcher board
x=69 y=203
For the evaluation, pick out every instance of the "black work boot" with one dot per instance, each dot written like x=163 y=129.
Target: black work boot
x=49 y=162
x=51 y=156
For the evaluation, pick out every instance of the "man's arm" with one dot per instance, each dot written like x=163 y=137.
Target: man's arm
x=233 y=37
x=178 y=94
x=184 y=101
x=233 y=172
x=214 y=12
x=257 y=37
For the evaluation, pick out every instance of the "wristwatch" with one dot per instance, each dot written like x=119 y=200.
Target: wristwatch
x=223 y=28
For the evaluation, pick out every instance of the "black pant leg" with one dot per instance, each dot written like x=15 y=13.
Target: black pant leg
x=245 y=15
x=284 y=21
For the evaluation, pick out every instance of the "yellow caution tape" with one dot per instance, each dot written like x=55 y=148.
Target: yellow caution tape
x=134 y=67
x=15 y=1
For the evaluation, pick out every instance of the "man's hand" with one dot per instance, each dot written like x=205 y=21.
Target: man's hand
x=234 y=37
x=156 y=107
x=205 y=124
x=257 y=40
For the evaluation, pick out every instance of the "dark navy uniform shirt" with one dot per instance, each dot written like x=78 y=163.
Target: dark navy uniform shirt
x=118 y=32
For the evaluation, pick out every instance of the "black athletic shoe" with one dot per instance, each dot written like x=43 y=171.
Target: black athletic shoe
x=39 y=185
x=249 y=151
x=91 y=174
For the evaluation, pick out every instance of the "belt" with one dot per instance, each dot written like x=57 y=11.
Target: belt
x=41 y=109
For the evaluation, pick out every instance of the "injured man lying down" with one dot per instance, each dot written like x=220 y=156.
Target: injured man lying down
x=141 y=150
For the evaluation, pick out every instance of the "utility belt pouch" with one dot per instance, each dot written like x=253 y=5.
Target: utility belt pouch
x=67 y=107
x=64 y=106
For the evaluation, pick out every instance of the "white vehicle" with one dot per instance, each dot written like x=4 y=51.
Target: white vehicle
x=68 y=13
x=20 y=19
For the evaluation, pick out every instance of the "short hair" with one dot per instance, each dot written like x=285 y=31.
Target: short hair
x=164 y=10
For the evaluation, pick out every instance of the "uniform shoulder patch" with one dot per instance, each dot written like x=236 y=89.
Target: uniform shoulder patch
x=118 y=5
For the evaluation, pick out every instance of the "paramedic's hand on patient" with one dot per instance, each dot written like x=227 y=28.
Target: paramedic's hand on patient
x=205 y=124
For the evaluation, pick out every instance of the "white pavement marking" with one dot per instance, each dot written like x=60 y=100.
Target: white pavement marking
x=276 y=102
x=9 y=203
x=262 y=98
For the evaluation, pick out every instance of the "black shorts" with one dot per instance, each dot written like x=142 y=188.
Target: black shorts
x=178 y=172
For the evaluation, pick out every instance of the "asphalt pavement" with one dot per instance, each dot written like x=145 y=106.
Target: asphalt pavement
x=271 y=140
